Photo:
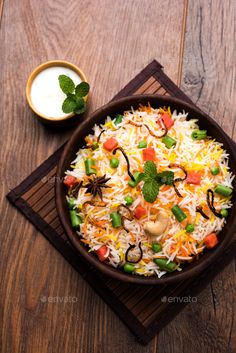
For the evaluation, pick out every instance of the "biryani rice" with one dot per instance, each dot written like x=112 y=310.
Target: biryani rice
x=199 y=156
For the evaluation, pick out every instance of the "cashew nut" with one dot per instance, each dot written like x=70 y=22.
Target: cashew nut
x=158 y=227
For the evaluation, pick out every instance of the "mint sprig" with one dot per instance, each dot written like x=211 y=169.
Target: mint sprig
x=74 y=102
x=153 y=181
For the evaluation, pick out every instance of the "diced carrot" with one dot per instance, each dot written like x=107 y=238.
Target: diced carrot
x=194 y=178
x=149 y=154
x=110 y=144
x=102 y=253
x=167 y=120
x=211 y=240
x=70 y=181
x=139 y=212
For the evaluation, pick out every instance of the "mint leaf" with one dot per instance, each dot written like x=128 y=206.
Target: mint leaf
x=69 y=105
x=166 y=177
x=141 y=177
x=150 y=190
x=66 y=84
x=80 y=106
x=82 y=89
x=150 y=170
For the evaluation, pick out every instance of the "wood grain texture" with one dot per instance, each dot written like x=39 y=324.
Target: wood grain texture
x=1 y=8
x=209 y=79
x=45 y=305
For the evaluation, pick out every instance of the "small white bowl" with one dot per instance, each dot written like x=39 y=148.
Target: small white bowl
x=43 y=118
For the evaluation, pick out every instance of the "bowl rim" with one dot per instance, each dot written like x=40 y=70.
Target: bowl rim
x=39 y=69
x=72 y=235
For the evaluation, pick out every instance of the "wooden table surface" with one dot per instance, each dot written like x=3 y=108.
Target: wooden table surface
x=111 y=41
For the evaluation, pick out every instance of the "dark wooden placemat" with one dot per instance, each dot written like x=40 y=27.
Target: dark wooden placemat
x=144 y=309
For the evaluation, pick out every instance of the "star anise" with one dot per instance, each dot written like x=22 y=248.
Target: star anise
x=96 y=184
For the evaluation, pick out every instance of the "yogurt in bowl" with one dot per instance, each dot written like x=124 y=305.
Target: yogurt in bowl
x=43 y=91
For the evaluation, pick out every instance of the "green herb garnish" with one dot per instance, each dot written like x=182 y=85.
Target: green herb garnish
x=66 y=84
x=74 y=101
x=150 y=170
x=166 y=177
x=153 y=181
x=150 y=190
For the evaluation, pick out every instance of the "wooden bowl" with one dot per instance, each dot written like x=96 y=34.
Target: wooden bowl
x=77 y=141
x=59 y=122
